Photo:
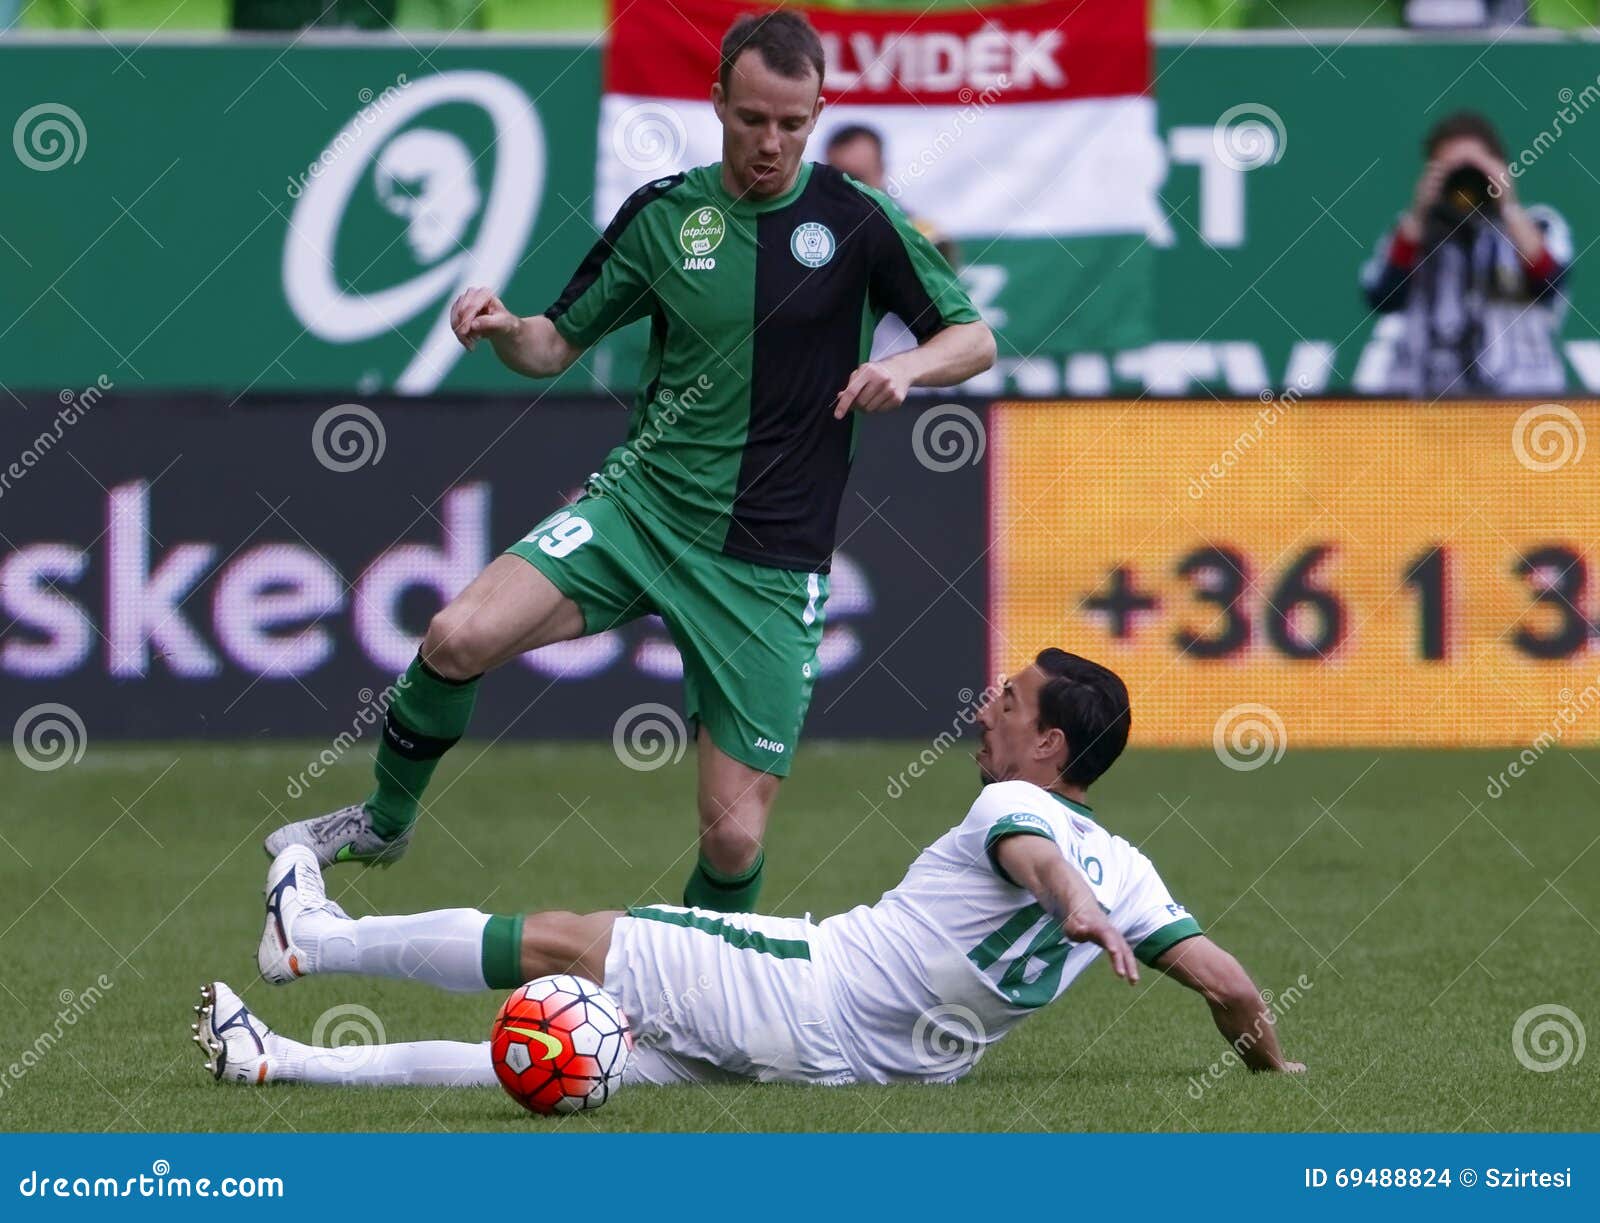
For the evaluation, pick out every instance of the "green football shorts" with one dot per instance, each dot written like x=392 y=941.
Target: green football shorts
x=748 y=634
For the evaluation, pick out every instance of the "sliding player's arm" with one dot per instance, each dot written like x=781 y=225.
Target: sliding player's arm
x=530 y=346
x=1035 y=863
x=1236 y=1006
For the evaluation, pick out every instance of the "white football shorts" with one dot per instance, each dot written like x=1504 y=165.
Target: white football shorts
x=722 y=996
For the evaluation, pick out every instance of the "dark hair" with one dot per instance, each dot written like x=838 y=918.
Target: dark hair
x=785 y=41
x=855 y=131
x=1088 y=703
x=1463 y=123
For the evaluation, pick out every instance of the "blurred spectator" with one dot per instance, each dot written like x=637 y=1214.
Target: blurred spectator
x=857 y=149
x=1226 y=15
x=62 y=14
x=1566 y=14
x=1465 y=14
x=328 y=14
x=1476 y=276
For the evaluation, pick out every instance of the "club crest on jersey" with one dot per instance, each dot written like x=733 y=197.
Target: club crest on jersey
x=702 y=232
x=812 y=244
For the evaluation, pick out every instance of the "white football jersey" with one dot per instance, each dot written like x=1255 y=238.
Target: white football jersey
x=957 y=954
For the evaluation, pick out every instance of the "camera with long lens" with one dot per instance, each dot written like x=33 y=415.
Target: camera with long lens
x=1465 y=191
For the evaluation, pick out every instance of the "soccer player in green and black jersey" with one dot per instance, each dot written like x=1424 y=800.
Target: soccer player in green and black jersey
x=763 y=277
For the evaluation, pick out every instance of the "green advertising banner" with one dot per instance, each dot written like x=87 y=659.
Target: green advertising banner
x=260 y=216
x=277 y=216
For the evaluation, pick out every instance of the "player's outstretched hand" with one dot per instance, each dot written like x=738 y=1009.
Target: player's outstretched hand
x=874 y=387
x=1097 y=929
x=479 y=314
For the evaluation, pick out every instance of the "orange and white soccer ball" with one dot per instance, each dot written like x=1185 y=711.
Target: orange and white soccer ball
x=560 y=1045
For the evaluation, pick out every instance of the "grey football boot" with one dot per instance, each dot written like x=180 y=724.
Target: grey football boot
x=345 y=835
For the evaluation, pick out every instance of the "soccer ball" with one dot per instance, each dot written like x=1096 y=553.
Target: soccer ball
x=560 y=1044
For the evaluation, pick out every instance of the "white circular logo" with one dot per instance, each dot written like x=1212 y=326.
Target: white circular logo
x=1548 y=1037
x=949 y=1038
x=348 y=436
x=48 y=736
x=428 y=178
x=1547 y=437
x=812 y=244
x=49 y=136
x=648 y=736
x=1249 y=136
x=1249 y=736
x=354 y=1030
x=949 y=436
x=649 y=137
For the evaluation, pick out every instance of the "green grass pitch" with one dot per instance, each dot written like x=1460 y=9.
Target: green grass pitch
x=1424 y=918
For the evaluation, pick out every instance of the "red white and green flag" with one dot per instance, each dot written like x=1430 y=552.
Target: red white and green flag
x=1026 y=133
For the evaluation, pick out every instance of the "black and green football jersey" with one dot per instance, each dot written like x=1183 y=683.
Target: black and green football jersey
x=759 y=313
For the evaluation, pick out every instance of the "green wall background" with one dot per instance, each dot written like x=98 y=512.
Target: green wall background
x=155 y=258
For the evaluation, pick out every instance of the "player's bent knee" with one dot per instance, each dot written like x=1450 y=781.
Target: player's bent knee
x=729 y=846
x=455 y=646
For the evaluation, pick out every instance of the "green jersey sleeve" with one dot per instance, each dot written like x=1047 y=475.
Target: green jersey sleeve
x=909 y=277
x=1019 y=823
x=1148 y=917
x=613 y=285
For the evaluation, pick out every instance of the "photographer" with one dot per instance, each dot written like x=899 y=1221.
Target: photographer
x=1475 y=275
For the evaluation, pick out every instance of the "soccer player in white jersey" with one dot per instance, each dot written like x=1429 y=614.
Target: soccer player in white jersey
x=994 y=920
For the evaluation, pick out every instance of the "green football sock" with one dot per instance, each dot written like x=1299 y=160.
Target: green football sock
x=502 y=952
x=709 y=888
x=427 y=714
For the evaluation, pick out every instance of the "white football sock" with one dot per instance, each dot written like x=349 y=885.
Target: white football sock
x=418 y=1063
x=443 y=948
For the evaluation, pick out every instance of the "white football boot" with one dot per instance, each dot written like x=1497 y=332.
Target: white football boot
x=294 y=890
x=236 y=1045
